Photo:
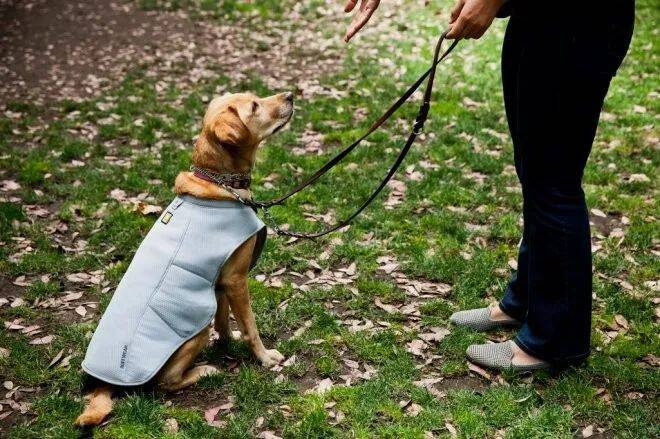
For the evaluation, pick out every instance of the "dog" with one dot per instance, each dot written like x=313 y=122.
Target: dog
x=184 y=276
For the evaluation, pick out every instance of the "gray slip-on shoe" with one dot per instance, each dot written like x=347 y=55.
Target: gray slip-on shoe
x=500 y=356
x=479 y=320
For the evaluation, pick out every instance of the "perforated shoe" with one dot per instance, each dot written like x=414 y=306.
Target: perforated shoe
x=479 y=320
x=500 y=356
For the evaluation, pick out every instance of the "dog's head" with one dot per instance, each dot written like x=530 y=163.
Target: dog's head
x=243 y=119
x=235 y=124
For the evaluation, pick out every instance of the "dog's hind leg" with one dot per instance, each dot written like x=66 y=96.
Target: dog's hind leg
x=176 y=374
x=221 y=323
x=98 y=407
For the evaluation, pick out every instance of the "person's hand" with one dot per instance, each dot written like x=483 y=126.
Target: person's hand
x=471 y=18
x=364 y=13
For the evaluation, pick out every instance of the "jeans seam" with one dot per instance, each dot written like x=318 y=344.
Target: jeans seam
x=564 y=267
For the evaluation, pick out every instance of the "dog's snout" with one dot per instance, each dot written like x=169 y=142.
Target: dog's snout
x=288 y=96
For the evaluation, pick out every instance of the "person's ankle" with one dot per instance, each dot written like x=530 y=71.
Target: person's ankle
x=496 y=314
x=522 y=358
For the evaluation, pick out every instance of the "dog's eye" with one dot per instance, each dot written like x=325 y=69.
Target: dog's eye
x=255 y=105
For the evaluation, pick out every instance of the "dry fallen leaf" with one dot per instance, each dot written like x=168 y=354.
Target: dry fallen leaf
x=9 y=185
x=290 y=361
x=21 y=282
x=513 y=264
x=65 y=362
x=389 y=308
x=650 y=359
x=56 y=358
x=452 y=430
x=17 y=302
x=414 y=409
x=71 y=296
x=436 y=334
x=639 y=178
x=227 y=406
x=479 y=371
x=210 y=414
x=171 y=426
x=43 y=340
x=416 y=347
x=621 y=321
x=323 y=386
x=146 y=209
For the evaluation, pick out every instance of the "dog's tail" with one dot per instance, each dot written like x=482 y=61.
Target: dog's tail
x=98 y=407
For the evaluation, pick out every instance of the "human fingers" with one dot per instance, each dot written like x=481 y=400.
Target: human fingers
x=367 y=9
x=456 y=11
x=457 y=29
x=479 y=32
x=350 y=4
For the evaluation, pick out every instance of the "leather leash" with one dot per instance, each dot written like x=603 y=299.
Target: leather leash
x=418 y=125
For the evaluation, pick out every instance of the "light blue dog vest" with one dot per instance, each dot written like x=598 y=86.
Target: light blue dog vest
x=167 y=295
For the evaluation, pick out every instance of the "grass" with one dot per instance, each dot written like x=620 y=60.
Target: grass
x=459 y=224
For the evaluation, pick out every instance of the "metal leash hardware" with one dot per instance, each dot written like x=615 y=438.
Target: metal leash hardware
x=226 y=187
x=271 y=222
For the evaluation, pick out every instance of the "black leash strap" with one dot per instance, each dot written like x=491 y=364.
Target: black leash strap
x=418 y=125
x=419 y=122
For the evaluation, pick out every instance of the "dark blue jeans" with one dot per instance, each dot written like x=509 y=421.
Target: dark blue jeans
x=556 y=73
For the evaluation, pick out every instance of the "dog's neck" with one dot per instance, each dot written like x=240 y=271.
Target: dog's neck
x=221 y=159
x=224 y=159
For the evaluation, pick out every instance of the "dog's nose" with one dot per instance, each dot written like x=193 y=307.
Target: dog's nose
x=288 y=96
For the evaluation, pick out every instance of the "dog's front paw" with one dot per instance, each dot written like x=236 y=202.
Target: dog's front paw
x=270 y=358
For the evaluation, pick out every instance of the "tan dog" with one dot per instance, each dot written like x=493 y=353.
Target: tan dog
x=233 y=128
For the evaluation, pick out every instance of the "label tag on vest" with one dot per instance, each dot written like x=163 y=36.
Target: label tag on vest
x=124 y=351
x=167 y=217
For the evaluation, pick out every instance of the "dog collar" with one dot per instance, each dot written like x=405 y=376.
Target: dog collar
x=233 y=180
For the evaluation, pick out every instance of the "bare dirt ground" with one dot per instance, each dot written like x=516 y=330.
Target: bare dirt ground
x=58 y=49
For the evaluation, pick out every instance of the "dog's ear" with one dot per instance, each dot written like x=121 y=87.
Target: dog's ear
x=229 y=129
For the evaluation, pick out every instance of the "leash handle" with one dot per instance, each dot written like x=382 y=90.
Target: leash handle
x=417 y=128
